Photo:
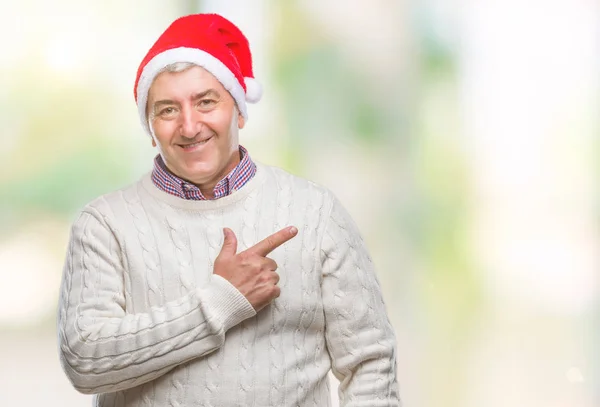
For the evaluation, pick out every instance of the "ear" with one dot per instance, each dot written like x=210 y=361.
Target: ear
x=153 y=142
x=241 y=121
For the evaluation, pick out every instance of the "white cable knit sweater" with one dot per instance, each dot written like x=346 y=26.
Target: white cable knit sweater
x=144 y=322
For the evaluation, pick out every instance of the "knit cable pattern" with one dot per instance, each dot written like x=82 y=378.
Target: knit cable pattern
x=249 y=237
x=277 y=375
x=144 y=322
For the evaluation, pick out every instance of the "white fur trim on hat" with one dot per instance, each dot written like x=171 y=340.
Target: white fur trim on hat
x=253 y=90
x=195 y=56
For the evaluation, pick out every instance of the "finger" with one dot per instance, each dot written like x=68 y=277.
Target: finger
x=270 y=264
x=276 y=291
x=275 y=278
x=229 y=243
x=272 y=242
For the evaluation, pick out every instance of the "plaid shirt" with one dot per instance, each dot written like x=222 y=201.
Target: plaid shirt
x=174 y=185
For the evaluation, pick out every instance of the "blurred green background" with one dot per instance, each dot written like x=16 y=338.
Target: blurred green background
x=461 y=136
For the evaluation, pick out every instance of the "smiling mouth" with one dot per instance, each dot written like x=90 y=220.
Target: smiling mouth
x=187 y=147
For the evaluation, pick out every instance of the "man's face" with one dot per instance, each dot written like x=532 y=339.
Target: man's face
x=195 y=125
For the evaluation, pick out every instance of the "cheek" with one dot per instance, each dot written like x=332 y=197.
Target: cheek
x=220 y=121
x=162 y=131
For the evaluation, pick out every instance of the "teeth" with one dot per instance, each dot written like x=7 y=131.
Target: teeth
x=195 y=144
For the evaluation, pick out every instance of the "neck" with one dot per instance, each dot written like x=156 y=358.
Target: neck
x=207 y=188
x=208 y=193
x=209 y=204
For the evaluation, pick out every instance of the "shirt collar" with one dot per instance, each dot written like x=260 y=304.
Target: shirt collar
x=164 y=180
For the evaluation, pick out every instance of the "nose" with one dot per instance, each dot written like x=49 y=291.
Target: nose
x=191 y=122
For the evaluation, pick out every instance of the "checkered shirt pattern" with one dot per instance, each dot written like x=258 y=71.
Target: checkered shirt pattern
x=174 y=185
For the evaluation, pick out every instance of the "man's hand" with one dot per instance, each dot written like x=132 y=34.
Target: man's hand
x=250 y=271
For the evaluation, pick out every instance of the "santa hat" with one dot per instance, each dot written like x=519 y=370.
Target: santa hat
x=210 y=41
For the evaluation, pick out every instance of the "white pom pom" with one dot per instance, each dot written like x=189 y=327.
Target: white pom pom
x=253 y=90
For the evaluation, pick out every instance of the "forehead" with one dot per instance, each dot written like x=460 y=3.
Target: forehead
x=184 y=84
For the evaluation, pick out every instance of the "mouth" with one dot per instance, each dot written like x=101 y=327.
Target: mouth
x=194 y=146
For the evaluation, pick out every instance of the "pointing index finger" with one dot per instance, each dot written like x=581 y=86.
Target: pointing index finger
x=270 y=243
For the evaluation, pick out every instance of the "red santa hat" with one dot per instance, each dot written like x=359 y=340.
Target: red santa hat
x=210 y=41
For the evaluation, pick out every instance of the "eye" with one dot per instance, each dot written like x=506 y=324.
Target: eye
x=167 y=112
x=206 y=103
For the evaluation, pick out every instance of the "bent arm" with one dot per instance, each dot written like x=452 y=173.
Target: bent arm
x=105 y=349
x=360 y=339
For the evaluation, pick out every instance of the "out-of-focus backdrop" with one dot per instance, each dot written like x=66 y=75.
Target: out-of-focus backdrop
x=461 y=135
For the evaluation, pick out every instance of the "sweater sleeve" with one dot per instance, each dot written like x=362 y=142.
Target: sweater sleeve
x=359 y=336
x=102 y=347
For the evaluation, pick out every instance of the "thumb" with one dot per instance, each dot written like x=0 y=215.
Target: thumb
x=229 y=243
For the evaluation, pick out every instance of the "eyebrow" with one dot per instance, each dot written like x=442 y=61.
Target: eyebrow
x=197 y=96
x=207 y=92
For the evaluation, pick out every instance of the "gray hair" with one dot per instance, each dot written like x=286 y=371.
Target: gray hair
x=177 y=67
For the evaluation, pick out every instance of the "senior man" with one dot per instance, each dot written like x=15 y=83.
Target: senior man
x=216 y=280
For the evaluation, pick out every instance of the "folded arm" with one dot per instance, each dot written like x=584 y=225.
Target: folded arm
x=103 y=348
